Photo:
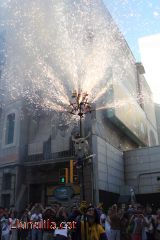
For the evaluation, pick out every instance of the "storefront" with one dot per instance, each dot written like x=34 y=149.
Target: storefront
x=47 y=183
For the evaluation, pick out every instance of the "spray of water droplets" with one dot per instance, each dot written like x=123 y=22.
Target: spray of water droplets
x=54 y=47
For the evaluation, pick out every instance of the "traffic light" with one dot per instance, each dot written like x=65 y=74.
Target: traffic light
x=62 y=179
x=158 y=178
x=73 y=172
x=63 y=175
x=66 y=174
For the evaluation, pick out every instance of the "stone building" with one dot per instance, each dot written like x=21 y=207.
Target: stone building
x=157 y=109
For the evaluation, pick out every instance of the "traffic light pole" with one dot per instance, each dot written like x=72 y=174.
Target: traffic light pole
x=82 y=169
x=80 y=106
x=81 y=135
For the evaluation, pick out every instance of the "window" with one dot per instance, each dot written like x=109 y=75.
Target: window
x=10 y=126
x=6 y=200
x=7 y=180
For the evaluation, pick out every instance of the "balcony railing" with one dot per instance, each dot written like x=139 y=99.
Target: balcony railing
x=41 y=151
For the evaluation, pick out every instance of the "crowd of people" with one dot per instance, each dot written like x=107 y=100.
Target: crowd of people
x=84 y=222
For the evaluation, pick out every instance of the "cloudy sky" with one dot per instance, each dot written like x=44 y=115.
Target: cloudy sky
x=139 y=21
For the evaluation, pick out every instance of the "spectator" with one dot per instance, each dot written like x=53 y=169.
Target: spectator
x=49 y=214
x=23 y=233
x=108 y=224
x=102 y=215
x=5 y=228
x=36 y=217
x=1 y=216
x=139 y=223
x=12 y=222
x=115 y=223
x=157 y=225
x=149 y=229
x=93 y=229
x=125 y=234
x=75 y=215
x=61 y=232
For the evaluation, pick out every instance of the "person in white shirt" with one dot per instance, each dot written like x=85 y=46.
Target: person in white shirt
x=61 y=233
x=36 y=217
x=5 y=228
x=12 y=224
x=149 y=228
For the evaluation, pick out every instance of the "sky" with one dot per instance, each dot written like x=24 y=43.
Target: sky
x=139 y=21
x=150 y=56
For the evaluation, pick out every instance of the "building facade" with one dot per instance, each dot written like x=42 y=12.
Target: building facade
x=157 y=108
x=36 y=149
x=142 y=171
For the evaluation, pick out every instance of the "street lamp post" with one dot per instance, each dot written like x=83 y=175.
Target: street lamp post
x=80 y=106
